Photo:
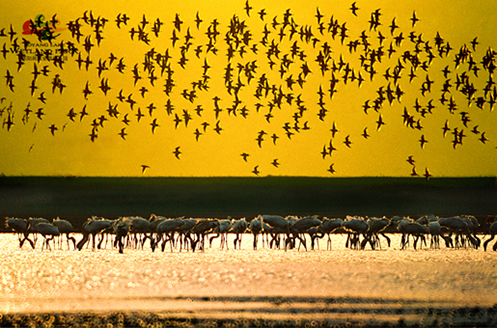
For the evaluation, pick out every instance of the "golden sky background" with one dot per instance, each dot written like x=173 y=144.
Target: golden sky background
x=28 y=147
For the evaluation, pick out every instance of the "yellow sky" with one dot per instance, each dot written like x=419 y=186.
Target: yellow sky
x=28 y=147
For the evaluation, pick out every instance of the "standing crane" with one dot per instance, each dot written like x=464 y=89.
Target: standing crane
x=167 y=227
x=21 y=227
x=48 y=231
x=278 y=225
x=203 y=227
x=376 y=228
x=239 y=227
x=65 y=227
x=356 y=226
x=493 y=232
x=222 y=230
x=329 y=226
x=255 y=227
x=121 y=228
x=92 y=227
x=140 y=229
x=301 y=226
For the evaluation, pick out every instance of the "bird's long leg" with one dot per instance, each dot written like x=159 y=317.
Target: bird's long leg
x=415 y=240
x=448 y=241
x=150 y=237
x=164 y=241
x=93 y=240
x=356 y=241
x=387 y=238
x=158 y=238
x=171 y=240
x=288 y=240
x=212 y=238
x=152 y=243
x=487 y=241
x=83 y=241
x=48 y=243
x=403 y=242
x=316 y=239
x=188 y=244
x=26 y=237
x=120 y=243
x=478 y=240
x=422 y=240
x=99 y=246
x=302 y=241
x=235 y=241
x=367 y=239
x=35 y=238
x=364 y=242
x=186 y=241
x=182 y=240
x=472 y=241
x=194 y=241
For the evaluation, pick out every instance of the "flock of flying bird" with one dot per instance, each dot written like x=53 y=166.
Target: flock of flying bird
x=266 y=74
x=191 y=234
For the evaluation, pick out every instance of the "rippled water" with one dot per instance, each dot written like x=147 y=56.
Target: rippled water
x=87 y=280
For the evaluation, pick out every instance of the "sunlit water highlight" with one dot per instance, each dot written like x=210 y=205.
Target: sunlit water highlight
x=100 y=280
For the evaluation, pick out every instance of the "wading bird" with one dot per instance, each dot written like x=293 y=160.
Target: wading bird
x=93 y=226
x=238 y=227
x=65 y=227
x=222 y=230
x=21 y=227
x=493 y=232
x=48 y=231
x=121 y=228
x=255 y=227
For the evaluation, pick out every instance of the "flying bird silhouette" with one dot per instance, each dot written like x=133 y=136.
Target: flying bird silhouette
x=123 y=133
x=354 y=9
x=177 y=152
x=256 y=170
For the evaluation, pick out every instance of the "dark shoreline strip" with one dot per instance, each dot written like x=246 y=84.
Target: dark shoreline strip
x=456 y=317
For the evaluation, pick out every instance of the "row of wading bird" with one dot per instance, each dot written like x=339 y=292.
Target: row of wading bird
x=190 y=234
